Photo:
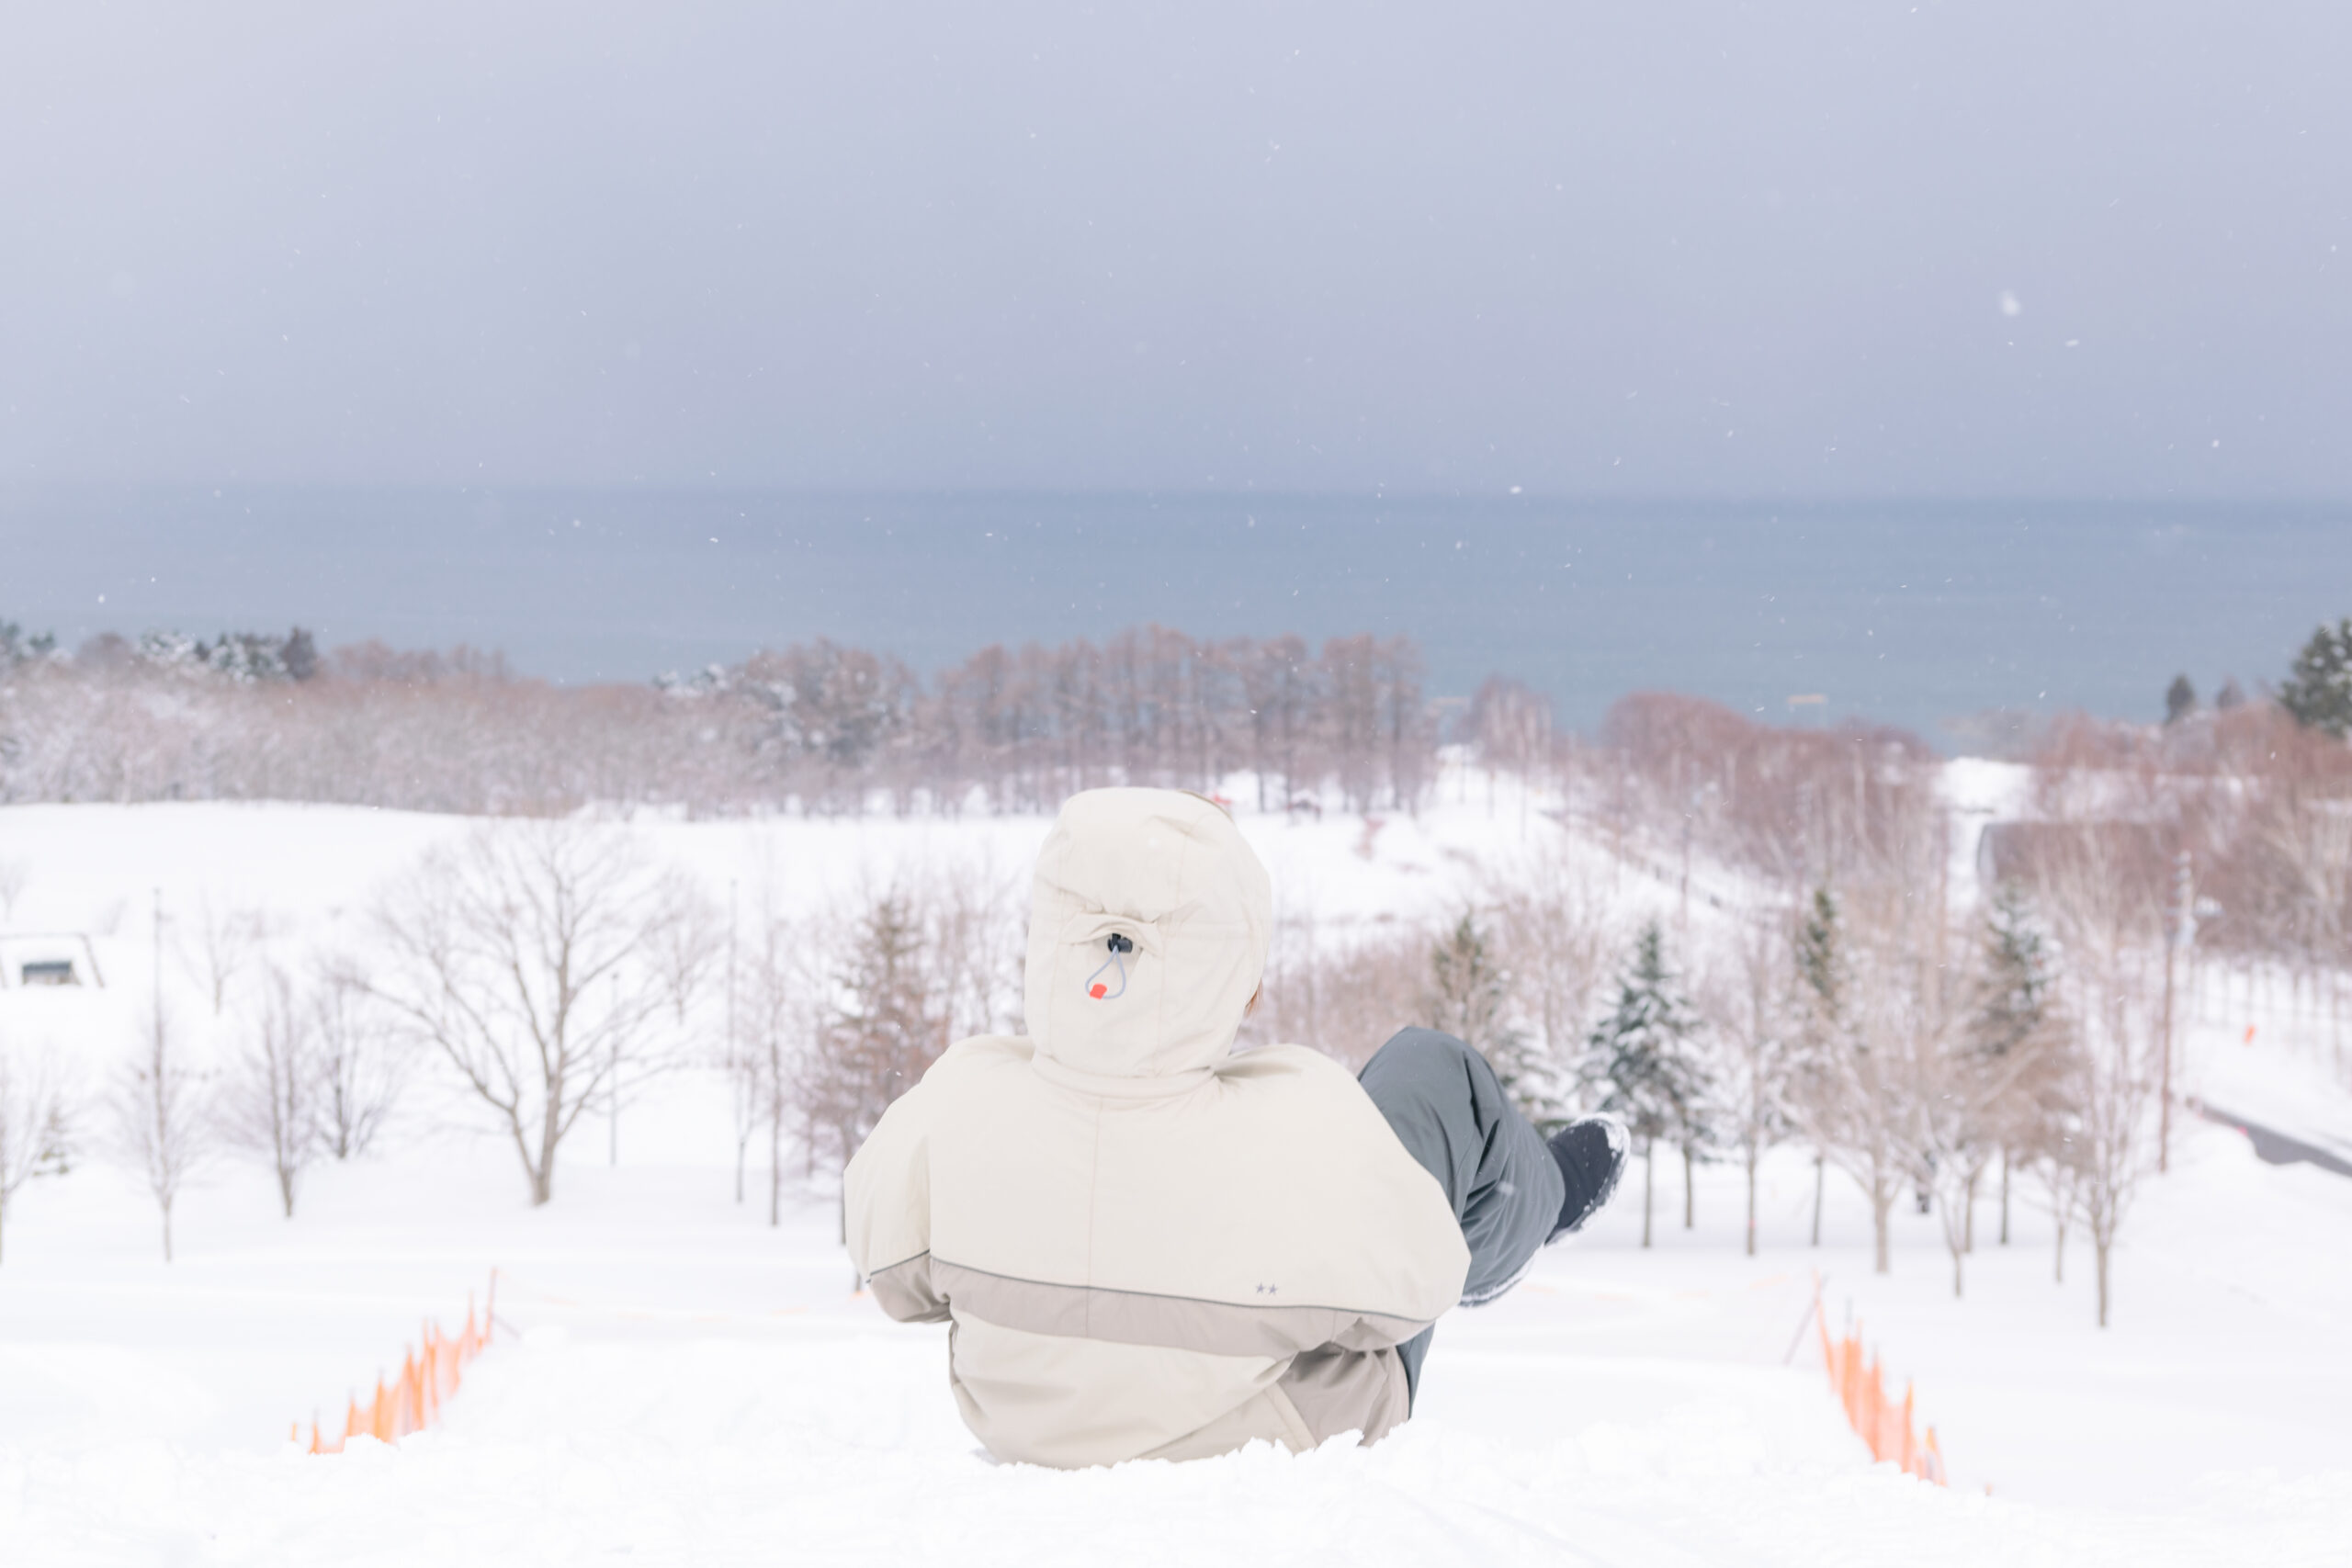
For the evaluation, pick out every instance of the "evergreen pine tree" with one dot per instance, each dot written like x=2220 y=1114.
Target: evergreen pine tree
x=1469 y=998
x=885 y=1032
x=1641 y=1058
x=2015 y=994
x=1820 y=993
x=1821 y=960
x=2180 y=699
x=2012 y=1016
x=2319 y=693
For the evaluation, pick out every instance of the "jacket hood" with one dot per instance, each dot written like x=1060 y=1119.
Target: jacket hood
x=1148 y=932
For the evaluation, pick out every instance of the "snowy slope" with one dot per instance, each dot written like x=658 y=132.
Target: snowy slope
x=686 y=1385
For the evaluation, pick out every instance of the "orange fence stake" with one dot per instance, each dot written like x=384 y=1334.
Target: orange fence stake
x=1883 y=1425
x=429 y=1377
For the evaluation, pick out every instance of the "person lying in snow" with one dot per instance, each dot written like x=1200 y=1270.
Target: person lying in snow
x=1151 y=1247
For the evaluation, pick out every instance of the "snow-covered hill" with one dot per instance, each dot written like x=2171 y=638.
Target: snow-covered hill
x=684 y=1383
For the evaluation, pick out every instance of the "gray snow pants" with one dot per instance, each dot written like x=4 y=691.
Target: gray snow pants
x=1447 y=1108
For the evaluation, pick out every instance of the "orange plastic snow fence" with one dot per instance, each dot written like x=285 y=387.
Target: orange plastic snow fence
x=1885 y=1426
x=428 y=1377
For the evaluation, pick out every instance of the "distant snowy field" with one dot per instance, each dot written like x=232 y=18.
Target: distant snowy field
x=685 y=1385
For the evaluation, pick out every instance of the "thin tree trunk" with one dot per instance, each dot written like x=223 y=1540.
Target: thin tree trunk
x=286 y=1190
x=1690 y=1194
x=1882 y=1208
x=2060 y=1273
x=2099 y=1250
x=1649 y=1175
x=167 y=1230
x=2005 y=1197
x=551 y=1134
x=1968 y=1220
x=1751 y=1199
x=776 y=1169
x=1820 y=1179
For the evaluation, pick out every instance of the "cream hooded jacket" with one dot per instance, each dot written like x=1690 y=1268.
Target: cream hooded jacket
x=1149 y=1246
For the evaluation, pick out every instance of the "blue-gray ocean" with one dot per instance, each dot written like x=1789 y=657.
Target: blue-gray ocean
x=1914 y=613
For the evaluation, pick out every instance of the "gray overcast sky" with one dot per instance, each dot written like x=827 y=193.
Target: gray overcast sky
x=2033 y=248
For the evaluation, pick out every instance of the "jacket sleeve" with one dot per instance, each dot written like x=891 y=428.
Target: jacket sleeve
x=886 y=1212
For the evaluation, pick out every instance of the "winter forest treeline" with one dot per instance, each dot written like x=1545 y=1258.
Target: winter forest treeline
x=815 y=728
x=1817 y=968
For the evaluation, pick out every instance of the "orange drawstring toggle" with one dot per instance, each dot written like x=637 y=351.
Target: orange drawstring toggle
x=1119 y=947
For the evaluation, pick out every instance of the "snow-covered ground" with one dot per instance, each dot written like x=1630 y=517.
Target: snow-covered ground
x=684 y=1383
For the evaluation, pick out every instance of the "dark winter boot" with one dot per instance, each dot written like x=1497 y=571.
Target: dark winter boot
x=1591 y=1156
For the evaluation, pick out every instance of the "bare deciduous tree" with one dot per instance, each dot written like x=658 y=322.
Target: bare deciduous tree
x=2102 y=881
x=2061 y=1184
x=520 y=954
x=361 y=1067
x=2114 y=1091
x=220 y=946
x=1863 y=1069
x=35 y=1137
x=270 y=1100
x=1873 y=963
x=688 y=949
x=734 y=1059
x=1752 y=1020
x=1342 y=991
x=1561 y=945
x=775 y=989
x=748 y=1095
x=1963 y=1107
x=1509 y=727
x=162 y=1117
x=975 y=938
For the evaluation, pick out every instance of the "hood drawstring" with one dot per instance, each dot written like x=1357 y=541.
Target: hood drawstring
x=1119 y=946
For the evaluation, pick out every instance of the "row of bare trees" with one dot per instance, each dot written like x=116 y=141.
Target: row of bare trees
x=818 y=726
x=2261 y=805
x=545 y=972
x=1835 y=982
x=305 y=1068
